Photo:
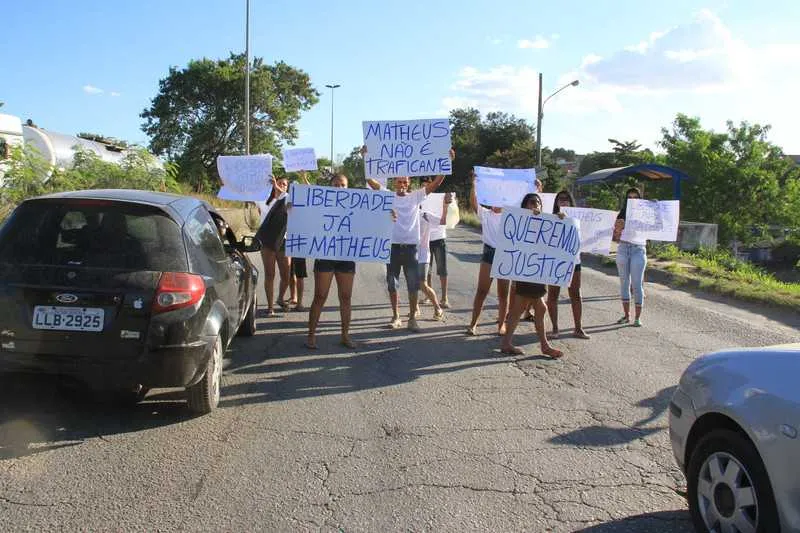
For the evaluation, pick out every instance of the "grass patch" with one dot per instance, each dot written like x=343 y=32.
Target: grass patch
x=719 y=271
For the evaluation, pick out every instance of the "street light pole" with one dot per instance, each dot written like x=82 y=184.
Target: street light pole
x=540 y=115
x=247 y=81
x=332 y=87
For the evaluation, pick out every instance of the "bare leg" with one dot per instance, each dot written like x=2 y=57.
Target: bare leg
x=540 y=310
x=520 y=303
x=484 y=284
x=301 y=285
x=443 y=283
x=638 y=311
x=395 y=301
x=322 y=284
x=293 y=288
x=552 y=306
x=503 y=292
x=268 y=258
x=431 y=294
x=576 y=300
x=284 y=271
x=344 y=283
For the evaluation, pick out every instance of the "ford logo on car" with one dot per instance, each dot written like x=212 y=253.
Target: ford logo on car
x=67 y=298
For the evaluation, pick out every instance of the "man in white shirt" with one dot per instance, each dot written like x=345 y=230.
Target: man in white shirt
x=438 y=251
x=405 y=243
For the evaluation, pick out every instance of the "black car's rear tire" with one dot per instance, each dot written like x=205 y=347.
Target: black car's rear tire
x=248 y=326
x=727 y=481
x=203 y=397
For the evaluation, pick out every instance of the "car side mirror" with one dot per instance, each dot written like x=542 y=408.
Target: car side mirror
x=249 y=244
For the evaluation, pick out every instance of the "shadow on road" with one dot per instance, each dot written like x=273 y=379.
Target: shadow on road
x=42 y=413
x=288 y=370
x=659 y=522
x=615 y=436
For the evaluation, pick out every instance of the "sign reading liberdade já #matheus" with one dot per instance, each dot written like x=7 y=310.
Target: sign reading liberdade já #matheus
x=536 y=248
x=407 y=148
x=339 y=224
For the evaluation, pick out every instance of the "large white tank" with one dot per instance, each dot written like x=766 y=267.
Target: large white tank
x=59 y=149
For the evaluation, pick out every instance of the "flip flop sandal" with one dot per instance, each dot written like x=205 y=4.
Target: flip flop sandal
x=553 y=353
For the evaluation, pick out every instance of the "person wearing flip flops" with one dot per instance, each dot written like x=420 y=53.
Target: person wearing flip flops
x=631 y=263
x=405 y=243
x=565 y=199
x=324 y=272
x=491 y=217
x=526 y=295
x=427 y=223
x=272 y=235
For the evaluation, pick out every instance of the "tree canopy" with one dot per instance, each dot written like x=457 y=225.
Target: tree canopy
x=199 y=109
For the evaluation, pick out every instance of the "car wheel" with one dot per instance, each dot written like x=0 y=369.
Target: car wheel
x=248 y=326
x=728 y=486
x=203 y=397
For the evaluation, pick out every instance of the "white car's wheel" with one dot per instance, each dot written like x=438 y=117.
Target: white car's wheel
x=728 y=486
x=203 y=397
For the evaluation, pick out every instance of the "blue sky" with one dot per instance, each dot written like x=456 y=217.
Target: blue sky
x=91 y=65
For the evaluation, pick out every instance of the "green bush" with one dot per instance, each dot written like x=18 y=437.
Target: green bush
x=787 y=252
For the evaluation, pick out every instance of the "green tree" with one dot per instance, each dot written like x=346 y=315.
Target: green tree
x=353 y=168
x=740 y=180
x=197 y=113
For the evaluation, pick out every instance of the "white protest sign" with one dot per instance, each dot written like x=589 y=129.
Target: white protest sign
x=407 y=148
x=504 y=187
x=596 y=226
x=536 y=248
x=548 y=201
x=651 y=220
x=433 y=204
x=245 y=177
x=295 y=159
x=339 y=224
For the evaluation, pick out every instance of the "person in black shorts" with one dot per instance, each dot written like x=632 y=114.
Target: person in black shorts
x=272 y=234
x=324 y=272
x=297 y=283
x=525 y=294
x=565 y=199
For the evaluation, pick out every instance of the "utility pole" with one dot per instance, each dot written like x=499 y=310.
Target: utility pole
x=247 y=81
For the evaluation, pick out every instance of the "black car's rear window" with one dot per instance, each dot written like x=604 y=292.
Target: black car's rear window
x=93 y=233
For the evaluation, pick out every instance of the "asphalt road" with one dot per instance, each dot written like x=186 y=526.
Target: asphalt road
x=427 y=432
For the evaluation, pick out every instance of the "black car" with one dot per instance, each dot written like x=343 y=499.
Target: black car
x=125 y=290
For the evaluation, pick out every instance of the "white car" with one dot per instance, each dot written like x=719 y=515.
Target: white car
x=734 y=422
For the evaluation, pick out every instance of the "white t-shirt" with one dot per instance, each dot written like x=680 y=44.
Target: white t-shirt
x=406 y=228
x=438 y=231
x=425 y=230
x=490 y=224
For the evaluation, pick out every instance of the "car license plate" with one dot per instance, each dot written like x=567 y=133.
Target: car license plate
x=68 y=318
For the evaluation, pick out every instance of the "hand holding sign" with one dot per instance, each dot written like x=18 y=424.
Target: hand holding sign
x=407 y=148
x=295 y=159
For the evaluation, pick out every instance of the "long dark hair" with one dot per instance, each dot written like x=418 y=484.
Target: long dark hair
x=556 y=208
x=528 y=197
x=624 y=207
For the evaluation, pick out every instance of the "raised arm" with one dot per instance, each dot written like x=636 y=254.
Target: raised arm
x=433 y=185
x=304 y=177
x=473 y=196
x=373 y=184
x=448 y=198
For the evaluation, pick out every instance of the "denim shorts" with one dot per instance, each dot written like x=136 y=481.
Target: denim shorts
x=404 y=257
x=439 y=256
x=488 y=254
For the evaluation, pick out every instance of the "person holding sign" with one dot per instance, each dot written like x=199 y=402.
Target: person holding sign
x=324 y=272
x=428 y=223
x=490 y=229
x=405 y=243
x=438 y=251
x=631 y=263
x=565 y=199
x=272 y=234
x=528 y=294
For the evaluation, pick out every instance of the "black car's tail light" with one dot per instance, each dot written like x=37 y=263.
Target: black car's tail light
x=177 y=290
